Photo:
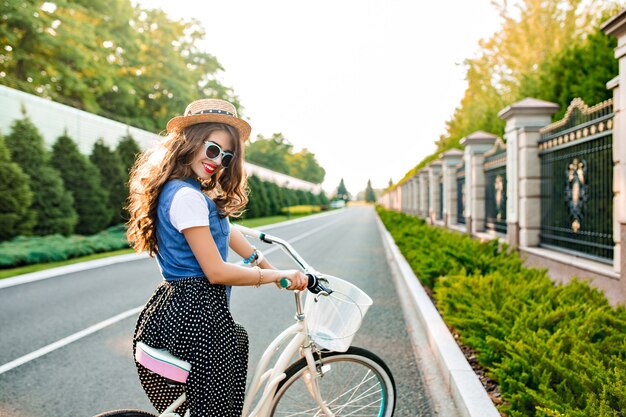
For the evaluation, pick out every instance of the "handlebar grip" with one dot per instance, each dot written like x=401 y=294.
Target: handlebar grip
x=315 y=286
x=284 y=282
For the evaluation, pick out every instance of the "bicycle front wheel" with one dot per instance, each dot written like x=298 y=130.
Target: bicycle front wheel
x=356 y=382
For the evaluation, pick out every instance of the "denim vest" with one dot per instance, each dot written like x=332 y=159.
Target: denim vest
x=175 y=258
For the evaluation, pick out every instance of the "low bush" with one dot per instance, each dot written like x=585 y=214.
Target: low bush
x=37 y=249
x=301 y=210
x=555 y=350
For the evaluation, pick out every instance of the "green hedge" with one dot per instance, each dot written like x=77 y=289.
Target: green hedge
x=555 y=350
x=38 y=249
x=301 y=210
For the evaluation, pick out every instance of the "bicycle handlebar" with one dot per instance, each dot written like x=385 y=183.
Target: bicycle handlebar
x=314 y=285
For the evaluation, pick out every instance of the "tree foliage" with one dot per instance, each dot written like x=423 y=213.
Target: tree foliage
x=127 y=149
x=276 y=153
x=16 y=217
x=342 y=192
x=547 y=49
x=111 y=170
x=370 y=195
x=82 y=179
x=52 y=205
x=134 y=65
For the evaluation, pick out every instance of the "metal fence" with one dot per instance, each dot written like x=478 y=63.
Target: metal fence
x=460 y=195
x=495 y=189
x=577 y=182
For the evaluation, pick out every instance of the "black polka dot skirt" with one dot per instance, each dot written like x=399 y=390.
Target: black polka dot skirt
x=190 y=318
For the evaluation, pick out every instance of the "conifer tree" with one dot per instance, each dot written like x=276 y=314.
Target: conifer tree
x=322 y=199
x=370 y=195
x=111 y=170
x=82 y=179
x=342 y=192
x=127 y=149
x=274 y=198
x=16 y=217
x=52 y=204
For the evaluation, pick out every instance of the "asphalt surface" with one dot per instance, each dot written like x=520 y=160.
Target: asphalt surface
x=96 y=373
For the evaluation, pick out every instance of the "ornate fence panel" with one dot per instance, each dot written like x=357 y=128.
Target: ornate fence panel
x=577 y=181
x=495 y=188
x=460 y=194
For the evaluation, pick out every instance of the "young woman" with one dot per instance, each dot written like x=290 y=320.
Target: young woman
x=182 y=193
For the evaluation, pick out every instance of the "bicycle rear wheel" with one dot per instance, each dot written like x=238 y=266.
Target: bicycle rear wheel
x=126 y=413
x=356 y=382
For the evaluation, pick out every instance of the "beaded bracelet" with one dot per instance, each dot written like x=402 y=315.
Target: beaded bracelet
x=260 y=281
x=252 y=257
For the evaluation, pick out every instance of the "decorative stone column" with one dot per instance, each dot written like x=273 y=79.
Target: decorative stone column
x=434 y=178
x=424 y=192
x=476 y=145
x=617 y=27
x=523 y=169
x=449 y=160
x=415 y=195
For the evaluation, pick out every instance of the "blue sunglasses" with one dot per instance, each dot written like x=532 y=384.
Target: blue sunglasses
x=212 y=150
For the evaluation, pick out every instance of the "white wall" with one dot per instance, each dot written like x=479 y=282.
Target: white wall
x=53 y=119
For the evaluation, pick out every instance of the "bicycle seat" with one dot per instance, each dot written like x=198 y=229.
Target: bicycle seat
x=161 y=362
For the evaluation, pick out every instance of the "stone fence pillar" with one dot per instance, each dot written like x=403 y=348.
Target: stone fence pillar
x=523 y=169
x=416 y=194
x=449 y=160
x=423 y=182
x=476 y=145
x=617 y=27
x=434 y=178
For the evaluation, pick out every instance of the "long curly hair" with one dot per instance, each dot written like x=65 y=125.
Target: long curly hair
x=172 y=159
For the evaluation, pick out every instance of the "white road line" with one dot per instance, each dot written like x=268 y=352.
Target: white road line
x=67 y=340
x=99 y=326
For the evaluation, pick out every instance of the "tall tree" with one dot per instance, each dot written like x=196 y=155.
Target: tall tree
x=276 y=153
x=304 y=165
x=370 y=195
x=111 y=169
x=108 y=57
x=82 y=179
x=16 y=217
x=127 y=149
x=52 y=205
x=342 y=192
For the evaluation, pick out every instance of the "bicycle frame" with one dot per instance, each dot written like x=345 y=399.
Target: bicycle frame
x=300 y=341
x=297 y=338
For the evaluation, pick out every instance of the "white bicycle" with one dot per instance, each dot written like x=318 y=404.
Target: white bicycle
x=328 y=378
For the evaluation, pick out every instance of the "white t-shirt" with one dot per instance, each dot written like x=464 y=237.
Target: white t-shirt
x=189 y=209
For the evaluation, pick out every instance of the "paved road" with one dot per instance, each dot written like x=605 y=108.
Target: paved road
x=96 y=372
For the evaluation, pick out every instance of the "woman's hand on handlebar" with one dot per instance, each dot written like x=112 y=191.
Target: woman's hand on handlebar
x=297 y=280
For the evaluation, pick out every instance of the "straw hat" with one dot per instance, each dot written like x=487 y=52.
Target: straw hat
x=210 y=110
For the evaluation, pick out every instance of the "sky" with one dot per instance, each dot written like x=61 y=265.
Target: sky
x=366 y=85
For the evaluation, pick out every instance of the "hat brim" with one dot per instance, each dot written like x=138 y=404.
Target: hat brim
x=180 y=122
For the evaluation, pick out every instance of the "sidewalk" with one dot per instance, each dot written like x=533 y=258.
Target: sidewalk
x=455 y=388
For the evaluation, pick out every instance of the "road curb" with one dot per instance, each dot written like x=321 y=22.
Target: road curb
x=462 y=384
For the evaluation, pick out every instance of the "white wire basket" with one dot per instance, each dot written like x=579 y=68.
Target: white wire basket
x=333 y=320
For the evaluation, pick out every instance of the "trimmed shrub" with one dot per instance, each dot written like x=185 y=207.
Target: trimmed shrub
x=555 y=350
x=16 y=217
x=82 y=179
x=301 y=210
x=127 y=149
x=52 y=204
x=39 y=249
x=110 y=167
